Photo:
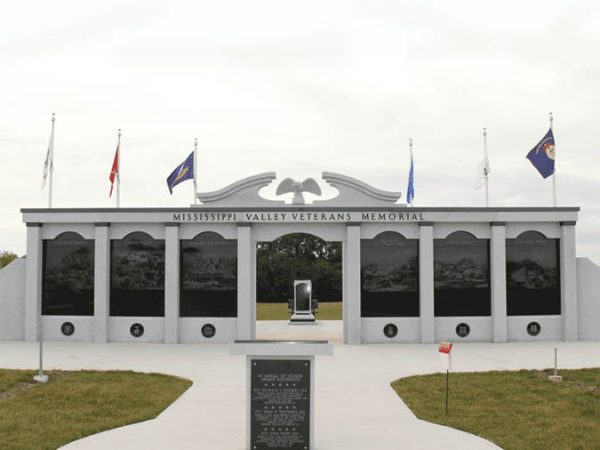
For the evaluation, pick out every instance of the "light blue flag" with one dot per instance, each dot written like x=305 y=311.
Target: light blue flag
x=410 y=192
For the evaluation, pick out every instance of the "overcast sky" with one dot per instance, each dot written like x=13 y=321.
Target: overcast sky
x=298 y=88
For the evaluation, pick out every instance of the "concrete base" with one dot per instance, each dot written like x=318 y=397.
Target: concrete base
x=555 y=378
x=302 y=318
x=41 y=378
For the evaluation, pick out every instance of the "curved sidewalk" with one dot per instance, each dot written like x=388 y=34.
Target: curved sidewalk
x=355 y=405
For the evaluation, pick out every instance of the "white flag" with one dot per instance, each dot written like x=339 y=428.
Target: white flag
x=49 y=163
x=483 y=171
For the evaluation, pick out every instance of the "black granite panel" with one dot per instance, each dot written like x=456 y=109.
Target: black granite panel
x=137 y=276
x=532 y=275
x=208 y=277
x=68 y=276
x=280 y=404
x=461 y=276
x=302 y=297
x=389 y=276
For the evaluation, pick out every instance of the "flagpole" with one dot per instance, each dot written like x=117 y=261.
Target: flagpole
x=485 y=169
x=119 y=168
x=195 y=166
x=553 y=173
x=410 y=146
x=51 y=163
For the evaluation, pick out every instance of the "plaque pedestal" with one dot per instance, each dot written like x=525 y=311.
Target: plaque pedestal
x=280 y=392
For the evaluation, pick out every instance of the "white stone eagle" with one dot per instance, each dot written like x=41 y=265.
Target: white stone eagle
x=297 y=187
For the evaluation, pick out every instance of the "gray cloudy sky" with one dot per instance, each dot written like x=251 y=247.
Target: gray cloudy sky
x=297 y=88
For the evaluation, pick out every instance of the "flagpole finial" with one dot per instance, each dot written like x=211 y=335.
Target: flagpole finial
x=551 y=119
x=410 y=142
x=484 y=131
x=195 y=142
x=53 y=117
x=119 y=132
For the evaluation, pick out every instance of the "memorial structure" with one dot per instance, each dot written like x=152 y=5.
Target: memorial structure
x=409 y=274
x=303 y=302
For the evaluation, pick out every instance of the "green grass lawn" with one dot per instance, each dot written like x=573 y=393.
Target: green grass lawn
x=516 y=410
x=76 y=404
x=279 y=311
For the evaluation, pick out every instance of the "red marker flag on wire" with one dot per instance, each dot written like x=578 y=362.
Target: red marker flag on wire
x=444 y=350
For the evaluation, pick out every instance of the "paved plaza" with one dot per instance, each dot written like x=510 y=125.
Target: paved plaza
x=355 y=405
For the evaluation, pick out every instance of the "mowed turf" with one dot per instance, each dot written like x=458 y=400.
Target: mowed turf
x=76 y=404
x=515 y=410
x=279 y=311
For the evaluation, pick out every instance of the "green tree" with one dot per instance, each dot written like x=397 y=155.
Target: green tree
x=6 y=258
x=298 y=256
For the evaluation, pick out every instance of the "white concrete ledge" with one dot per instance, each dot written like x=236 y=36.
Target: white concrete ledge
x=281 y=348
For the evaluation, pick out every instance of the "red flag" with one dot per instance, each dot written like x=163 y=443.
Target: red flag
x=445 y=347
x=114 y=171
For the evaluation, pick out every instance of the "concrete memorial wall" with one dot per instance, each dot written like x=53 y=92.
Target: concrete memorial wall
x=409 y=274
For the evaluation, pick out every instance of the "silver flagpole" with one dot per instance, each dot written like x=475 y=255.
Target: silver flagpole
x=195 y=166
x=485 y=168
x=51 y=163
x=410 y=146
x=119 y=168
x=554 y=173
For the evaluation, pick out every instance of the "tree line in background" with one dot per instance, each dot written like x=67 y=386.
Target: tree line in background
x=6 y=257
x=298 y=256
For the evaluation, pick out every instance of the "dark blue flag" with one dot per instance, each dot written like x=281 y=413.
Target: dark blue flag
x=184 y=171
x=542 y=155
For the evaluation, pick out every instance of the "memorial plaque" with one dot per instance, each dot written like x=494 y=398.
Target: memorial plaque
x=302 y=297
x=280 y=404
x=390 y=330
x=67 y=328
x=136 y=330
x=533 y=328
x=463 y=330
x=208 y=330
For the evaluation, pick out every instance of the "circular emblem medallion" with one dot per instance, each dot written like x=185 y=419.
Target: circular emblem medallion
x=208 y=330
x=533 y=328
x=390 y=330
x=463 y=330
x=67 y=328
x=136 y=330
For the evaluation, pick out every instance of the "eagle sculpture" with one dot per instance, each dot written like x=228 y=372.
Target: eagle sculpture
x=297 y=187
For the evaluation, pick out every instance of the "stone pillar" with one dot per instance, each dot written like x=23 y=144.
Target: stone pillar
x=33 y=280
x=351 y=281
x=101 y=281
x=498 y=280
x=426 y=290
x=172 y=276
x=568 y=282
x=246 y=283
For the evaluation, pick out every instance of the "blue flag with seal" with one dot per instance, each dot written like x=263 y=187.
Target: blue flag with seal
x=410 y=192
x=184 y=171
x=542 y=155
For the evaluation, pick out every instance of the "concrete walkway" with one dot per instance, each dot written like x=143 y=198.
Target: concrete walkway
x=355 y=405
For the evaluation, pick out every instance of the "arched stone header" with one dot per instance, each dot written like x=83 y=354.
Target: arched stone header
x=351 y=192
